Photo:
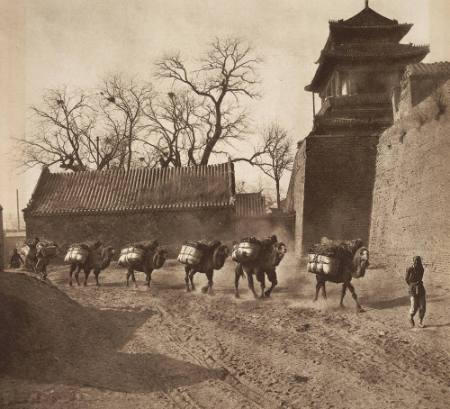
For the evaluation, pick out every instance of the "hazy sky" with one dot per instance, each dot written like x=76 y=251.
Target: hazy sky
x=47 y=43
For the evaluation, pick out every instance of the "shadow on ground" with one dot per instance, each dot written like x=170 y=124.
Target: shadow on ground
x=48 y=337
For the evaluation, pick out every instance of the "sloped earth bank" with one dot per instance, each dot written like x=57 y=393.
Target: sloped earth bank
x=118 y=347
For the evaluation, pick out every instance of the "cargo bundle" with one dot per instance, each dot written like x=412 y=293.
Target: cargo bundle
x=47 y=249
x=327 y=258
x=131 y=255
x=27 y=251
x=191 y=253
x=320 y=264
x=76 y=254
x=247 y=250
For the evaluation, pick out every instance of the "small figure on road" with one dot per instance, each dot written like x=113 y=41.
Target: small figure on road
x=16 y=260
x=414 y=277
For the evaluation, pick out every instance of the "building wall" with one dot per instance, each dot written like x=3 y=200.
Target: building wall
x=411 y=205
x=338 y=184
x=282 y=225
x=296 y=195
x=171 y=229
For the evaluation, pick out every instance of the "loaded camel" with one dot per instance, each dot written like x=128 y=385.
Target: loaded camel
x=353 y=260
x=37 y=255
x=272 y=252
x=98 y=259
x=213 y=258
x=152 y=258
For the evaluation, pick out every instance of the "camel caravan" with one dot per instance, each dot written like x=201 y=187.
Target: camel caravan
x=329 y=261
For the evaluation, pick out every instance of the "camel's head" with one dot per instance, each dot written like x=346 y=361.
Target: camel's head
x=159 y=257
x=361 y=262
x=220 y=255
x=108 y=252
x=224 y=250
x=280 y=250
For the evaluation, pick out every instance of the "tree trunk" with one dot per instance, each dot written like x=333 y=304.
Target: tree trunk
x=277 y=184
x=213 y=141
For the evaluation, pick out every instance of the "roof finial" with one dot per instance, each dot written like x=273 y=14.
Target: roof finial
x=367 y=4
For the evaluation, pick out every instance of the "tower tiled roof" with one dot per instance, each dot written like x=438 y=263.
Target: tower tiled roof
x=250 y=204
x=368 y=18
x=364 y=37
x=137 y=190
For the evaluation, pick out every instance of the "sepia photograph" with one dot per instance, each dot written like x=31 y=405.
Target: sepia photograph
x=225 y=205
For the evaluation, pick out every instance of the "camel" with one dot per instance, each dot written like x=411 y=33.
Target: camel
x=213 y=259
x=98 y=260
x=264 y=265
x=354 y=267
x=153 y=259
x=37 y=257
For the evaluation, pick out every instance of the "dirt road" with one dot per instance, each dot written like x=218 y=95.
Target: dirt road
x=165 y=348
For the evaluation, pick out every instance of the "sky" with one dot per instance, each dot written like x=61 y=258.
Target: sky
x=49 y=43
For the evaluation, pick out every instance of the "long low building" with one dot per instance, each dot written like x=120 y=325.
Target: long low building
x=170 y=204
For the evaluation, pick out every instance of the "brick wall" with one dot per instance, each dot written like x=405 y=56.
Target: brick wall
x=295 y=195
x=411 y=204
x=339 y=179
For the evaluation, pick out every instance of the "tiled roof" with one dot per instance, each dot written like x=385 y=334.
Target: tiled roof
x=435 y=69
x=369 y=18
x=250 y=204
x=350 y=52
x=137 y=190
x=389 y=50
x=364 y=37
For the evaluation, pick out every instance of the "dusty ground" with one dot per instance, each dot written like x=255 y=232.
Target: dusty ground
x=165 y=348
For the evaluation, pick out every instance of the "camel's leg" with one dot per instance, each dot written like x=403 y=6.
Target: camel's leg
x=40 y=268
x=251 y=285
x=209 y=287
x=238 y=272
x=96 y=274
x=260 y=276
x=129 y=272
x=355 y=297
x=324 y=291
x=87 y=271
x=344 y=289
x=319 y=284
x=187 y=270
x=72 y=269
x=148 y=277
x=191 y=279
x=133 y=278
x=77 y=273
x=273 y=281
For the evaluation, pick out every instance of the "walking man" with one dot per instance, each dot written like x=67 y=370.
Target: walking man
x=414 y=277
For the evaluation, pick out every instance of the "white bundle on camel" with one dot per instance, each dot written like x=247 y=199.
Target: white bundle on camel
x=191 y=253
x=329 y=257
x=47 y=248
x=79 y=252
x=135 y=253
x=248 y=249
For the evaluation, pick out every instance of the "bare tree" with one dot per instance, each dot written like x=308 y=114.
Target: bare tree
x=226 y=74
x=67 y=132
x=278 y=157
x=174 y=130
x=64 y=126
x=122 y=103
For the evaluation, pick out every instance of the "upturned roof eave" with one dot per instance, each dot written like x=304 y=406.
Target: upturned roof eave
x=328 y=61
